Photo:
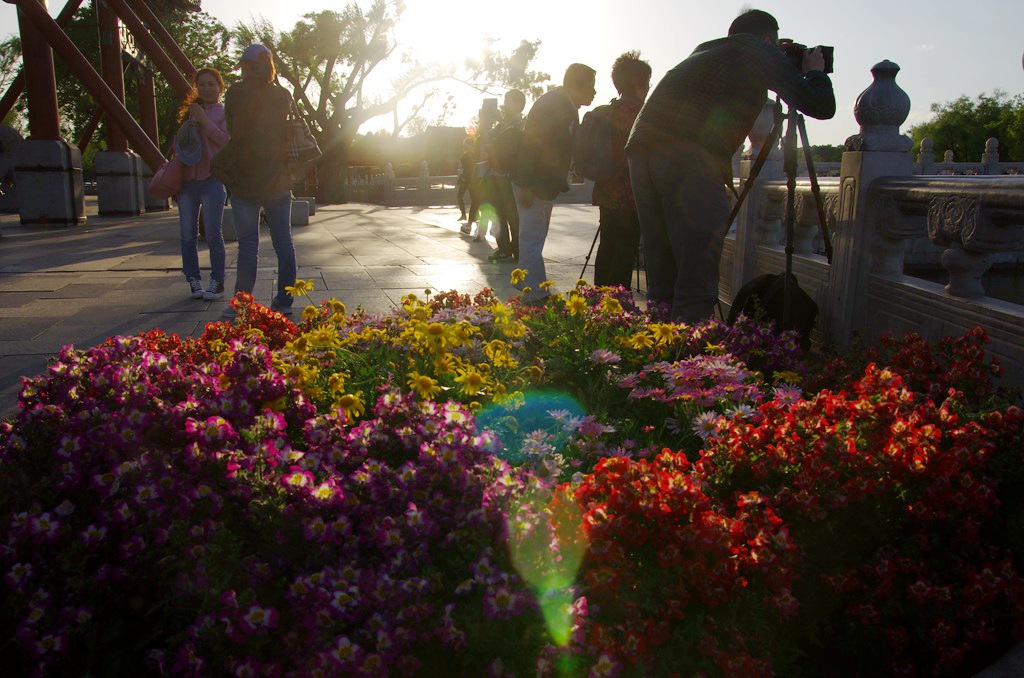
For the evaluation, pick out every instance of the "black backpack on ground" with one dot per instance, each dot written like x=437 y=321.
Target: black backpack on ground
x=764 y=298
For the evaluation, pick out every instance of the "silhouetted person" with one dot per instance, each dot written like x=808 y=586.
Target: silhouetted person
x=681 y=147
x=498 y=183
x=620 y=226
x=467 y=165
x=542 y=167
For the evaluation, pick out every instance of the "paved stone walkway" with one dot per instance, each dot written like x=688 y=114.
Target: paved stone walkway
x=121 y=276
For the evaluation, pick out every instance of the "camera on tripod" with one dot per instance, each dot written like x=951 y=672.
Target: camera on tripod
x=794 y=51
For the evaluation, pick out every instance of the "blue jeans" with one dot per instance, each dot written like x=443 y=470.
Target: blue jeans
x=534 y=222
x=208 y=195
x=278 y=207
x=683 y=207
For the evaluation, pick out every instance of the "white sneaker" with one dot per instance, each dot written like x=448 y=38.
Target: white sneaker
x=197 y=288
x=214 y=291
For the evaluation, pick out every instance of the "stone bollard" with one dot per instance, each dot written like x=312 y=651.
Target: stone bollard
x=119 y=184
x=48 y=174
x=311 y=201
x=300 y=213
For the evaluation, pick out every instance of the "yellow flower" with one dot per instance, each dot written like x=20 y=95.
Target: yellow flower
x=788 y=377
x=547 y=285
x=324 y=337
x=444 y=363
x=352 y=404
x=336 y=307
x=576 y=304
x=664 y=333
x=336 y=382
x=300 y=287
x=518 y=275
x=472 y=381
x=640 y=340
x=310 y=312
x=514 y=330
x=611 y=305
x=501 y=311
x=714 y=349
x=423 y=385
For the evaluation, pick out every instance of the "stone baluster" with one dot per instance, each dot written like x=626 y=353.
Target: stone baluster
x=990 y=158
x=926 y=159
x=878 y=150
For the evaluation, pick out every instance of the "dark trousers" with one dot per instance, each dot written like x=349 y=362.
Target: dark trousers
x=620 y=237
x=683 y=208
x=506 y=213
x=460 y=196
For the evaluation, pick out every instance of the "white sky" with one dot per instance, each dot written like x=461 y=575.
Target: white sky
x=945 y=48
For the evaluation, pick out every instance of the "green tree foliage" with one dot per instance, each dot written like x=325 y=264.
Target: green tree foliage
x=335 y=62
x=964 y=125
x=826 y=153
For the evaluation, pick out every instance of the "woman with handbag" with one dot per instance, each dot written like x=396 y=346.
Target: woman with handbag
x=255 y=168
x=206 y=132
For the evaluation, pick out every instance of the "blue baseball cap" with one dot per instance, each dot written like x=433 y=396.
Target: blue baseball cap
x=255 y=53
x=188 y=144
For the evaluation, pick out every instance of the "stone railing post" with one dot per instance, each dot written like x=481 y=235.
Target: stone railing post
x=990 y=158
x=423 y=185
x=751 y=228
x=926 y=158
x=879 y=150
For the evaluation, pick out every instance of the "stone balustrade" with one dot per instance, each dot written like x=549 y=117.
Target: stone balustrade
x=877 y=212
x=970 y=218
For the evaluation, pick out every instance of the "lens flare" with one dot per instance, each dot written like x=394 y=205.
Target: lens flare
x=547 y=554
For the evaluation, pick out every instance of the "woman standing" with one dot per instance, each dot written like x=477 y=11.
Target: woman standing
x=257 y=118
x=200 y=190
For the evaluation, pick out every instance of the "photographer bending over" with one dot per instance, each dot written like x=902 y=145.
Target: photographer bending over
x=682 y=143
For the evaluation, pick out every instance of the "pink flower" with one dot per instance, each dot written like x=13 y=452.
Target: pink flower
x=258 y=619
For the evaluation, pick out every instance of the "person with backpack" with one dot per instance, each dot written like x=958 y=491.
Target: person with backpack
x=502 y=152
x=542 y=165
x=681 y=147
x=619 y=225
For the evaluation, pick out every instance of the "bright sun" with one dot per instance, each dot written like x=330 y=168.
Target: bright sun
x=448 y=32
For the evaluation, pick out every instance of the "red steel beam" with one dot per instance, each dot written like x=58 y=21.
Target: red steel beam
x=143 y=11
x=83 y=70
x=152 y=48
x=17 y=85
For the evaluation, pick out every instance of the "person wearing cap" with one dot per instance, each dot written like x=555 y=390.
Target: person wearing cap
x=202 y=135
x=257 y=117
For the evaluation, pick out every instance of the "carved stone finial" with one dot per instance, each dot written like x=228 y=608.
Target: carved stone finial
x=927 y=150
x=880 y=110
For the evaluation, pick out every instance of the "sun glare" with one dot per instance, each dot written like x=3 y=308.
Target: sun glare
x=448 y=32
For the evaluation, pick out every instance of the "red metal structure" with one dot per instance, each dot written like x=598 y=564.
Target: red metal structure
x=40 y=34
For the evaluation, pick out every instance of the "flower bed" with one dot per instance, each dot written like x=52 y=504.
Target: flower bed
x=470 y=486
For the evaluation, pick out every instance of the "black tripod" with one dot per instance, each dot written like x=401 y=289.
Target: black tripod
x=639 y=259
x=794 y=124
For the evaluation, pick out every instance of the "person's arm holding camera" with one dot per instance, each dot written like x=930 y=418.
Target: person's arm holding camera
x=808 y=88
x=813 y=60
